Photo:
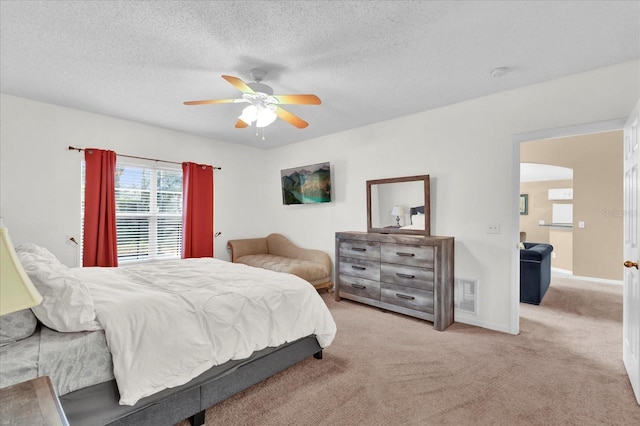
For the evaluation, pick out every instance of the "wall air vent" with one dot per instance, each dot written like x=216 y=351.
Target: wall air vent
x=466 y=296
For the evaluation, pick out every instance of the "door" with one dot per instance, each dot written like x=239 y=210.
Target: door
x=631 y=295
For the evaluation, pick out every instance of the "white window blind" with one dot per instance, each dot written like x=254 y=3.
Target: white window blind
x=148 y=212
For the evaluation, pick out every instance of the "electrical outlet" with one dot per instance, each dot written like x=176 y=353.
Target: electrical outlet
x=493 y=228
x=553 y=254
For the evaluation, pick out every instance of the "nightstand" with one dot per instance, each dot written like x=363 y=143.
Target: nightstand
x=33 y=402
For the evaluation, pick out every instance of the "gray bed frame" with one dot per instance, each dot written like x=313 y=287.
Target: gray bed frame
x=98 y=405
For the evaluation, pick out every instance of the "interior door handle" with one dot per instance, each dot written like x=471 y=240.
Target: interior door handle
x=630 y=264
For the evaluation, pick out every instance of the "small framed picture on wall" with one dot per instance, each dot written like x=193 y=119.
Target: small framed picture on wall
x=524 y=203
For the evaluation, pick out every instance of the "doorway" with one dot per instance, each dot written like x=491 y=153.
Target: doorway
x=580 y=216
x=594 y=217
x=547 y=216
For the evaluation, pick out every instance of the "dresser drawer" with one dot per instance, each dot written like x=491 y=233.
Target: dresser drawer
x=362 y=268
x=409 y=276
x=360 y=287
x=412 y=298
x=360 y=249
x=407 y=255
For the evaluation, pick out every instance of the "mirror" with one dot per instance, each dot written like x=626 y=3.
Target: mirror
x=399 y=205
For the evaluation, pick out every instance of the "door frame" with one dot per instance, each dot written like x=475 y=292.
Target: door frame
x=560 y=132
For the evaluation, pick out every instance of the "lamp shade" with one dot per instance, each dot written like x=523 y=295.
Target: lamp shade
x=397 y=211
x=17 y=292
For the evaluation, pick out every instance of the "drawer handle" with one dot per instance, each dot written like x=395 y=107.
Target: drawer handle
x=401 y=275
x=400 y=253
x=404 y=296
x=358 y=249
x=359 y=268
x=358 y=286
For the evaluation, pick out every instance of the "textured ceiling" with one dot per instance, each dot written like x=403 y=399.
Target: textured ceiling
x=368 y=61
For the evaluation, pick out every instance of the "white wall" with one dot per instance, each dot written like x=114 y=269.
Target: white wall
x=40 y=177
x=467 y=149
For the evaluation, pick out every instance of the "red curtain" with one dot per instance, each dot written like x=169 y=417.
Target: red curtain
x=197 y=210
x=100 y=247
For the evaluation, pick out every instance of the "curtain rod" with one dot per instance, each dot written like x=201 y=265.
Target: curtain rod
x=73 y=148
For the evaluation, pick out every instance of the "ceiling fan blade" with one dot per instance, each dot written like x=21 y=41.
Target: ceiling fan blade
x=215 y=101
x=291 y=118
x=241 y=124
x=239 y=84
x=298 y=99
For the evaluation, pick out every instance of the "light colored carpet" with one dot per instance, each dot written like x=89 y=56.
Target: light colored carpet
x=564 y=368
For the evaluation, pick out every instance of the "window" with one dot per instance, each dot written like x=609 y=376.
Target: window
x=148 y=212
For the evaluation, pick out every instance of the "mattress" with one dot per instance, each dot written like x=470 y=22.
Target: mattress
x=72 y=360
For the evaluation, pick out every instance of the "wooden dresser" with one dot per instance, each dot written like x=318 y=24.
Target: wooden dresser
x=408 y=274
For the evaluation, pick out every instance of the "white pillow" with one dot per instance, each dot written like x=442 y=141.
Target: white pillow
x=66 y=304
x=417 y=220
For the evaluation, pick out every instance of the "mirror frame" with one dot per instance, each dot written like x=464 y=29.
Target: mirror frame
x=427 y=206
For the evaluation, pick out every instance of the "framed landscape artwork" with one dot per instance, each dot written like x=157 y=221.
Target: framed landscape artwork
x=306 y=185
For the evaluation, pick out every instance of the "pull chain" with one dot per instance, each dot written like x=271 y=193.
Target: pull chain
x=258 y=133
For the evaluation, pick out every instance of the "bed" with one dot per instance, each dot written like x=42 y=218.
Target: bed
x=160 y=342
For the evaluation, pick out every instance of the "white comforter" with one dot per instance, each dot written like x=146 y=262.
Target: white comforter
x=168 y=322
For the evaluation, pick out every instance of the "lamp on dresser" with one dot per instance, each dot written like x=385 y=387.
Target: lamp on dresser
x=397 y=211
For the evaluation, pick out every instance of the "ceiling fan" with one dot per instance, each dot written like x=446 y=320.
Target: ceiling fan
x=264 y=107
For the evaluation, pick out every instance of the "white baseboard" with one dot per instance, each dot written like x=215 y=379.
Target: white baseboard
x=557 y=272
x=563 y=273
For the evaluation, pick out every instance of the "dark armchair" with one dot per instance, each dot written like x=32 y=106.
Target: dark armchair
x=535 y=271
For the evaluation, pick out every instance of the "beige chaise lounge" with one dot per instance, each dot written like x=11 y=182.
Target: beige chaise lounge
x=277 y=253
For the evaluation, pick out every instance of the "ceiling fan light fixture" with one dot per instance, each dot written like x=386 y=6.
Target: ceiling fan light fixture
x=263 y=115
x=263 y=107
x=266 y=116
x=249 y=114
